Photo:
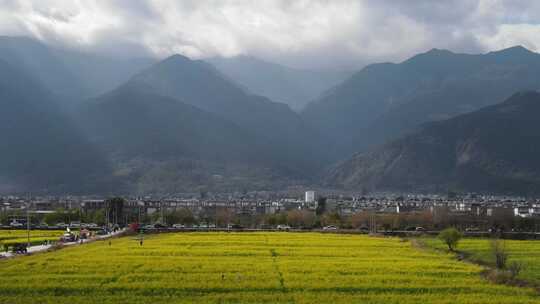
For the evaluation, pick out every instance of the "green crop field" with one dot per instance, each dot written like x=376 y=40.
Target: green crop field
x=9 y=237
x=249 y=268
x=526 y=252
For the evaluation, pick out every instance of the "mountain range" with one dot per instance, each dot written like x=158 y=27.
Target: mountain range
x=383 y=101
x=292 y=86
x=491 y=150
x=182 y=119
x=42 y=148
x=75 y=122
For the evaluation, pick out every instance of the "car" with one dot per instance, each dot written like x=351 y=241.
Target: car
x=419 y=229
x=234 y=226
x=19 y=248
x=75 y=224
x=102 y=232
x=61 y=225
x=178 y=226
x=16 y=224
x=68 y=237
x=212 y=226
x=330 y=227
x=283 y=227
x=149 y=227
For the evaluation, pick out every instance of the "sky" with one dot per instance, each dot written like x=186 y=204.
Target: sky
x=307 y=34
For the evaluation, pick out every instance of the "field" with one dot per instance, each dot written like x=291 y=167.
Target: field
x=526 y=252
x=249 y=268
x=9 y=237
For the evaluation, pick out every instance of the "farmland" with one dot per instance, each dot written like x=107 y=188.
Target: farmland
x=525 y=252
x=8 y=237
x=249 y=268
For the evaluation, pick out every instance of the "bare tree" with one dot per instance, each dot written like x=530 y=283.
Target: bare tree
x=500 y=254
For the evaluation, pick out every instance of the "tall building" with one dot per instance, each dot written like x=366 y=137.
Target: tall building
x=310 y=196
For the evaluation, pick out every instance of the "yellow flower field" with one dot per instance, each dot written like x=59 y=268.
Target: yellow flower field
x=526 y=252
x=249 y=268
x=10 y=237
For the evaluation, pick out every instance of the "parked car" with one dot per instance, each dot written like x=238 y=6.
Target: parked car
x=330 y=227
x=420 y=229
x=68 y=237
x=212 y=226
x=75 y=224
x=102 y=232
x=148 y=227
x=61 y=225
x=234 y=226
x=16 y=224
x=178 y=226
x=283 y=227
x=19 y=248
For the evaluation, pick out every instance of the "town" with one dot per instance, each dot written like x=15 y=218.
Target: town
x=272 y=210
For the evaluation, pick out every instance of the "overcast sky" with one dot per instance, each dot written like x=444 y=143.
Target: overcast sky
x=329 y=33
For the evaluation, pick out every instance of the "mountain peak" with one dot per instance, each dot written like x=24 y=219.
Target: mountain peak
x=176 y=58
x=430 y=56
x=517 y=50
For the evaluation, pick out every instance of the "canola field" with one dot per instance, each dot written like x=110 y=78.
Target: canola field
x=10 y=237
x=249 y=268
x=526 y=252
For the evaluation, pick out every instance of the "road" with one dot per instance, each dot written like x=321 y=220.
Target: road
x=41 y=248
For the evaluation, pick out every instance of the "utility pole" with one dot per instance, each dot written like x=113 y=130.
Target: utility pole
x=28 y=222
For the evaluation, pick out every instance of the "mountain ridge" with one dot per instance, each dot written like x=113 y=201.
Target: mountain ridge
x=491 y=150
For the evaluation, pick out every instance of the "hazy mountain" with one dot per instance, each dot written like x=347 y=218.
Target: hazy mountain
x=37 y=60
x=159 y=144
x=383 y=101
x=41 y=149
x=180 y=125
x=201 y=85
x=494 y=149
x=295 y=87
x=70 y=75
x=100 y=74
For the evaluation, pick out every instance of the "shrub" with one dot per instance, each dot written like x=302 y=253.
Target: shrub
x=515 y=268
x=499 y=252
x=450 y=237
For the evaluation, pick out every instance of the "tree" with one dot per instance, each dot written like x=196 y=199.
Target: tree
x=450 y=237
x=115 y=208
x=321 y=206
x=332 y=218
x=500 y=254
x=224 y=217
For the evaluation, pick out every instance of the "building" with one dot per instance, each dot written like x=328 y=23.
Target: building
x=310 y=196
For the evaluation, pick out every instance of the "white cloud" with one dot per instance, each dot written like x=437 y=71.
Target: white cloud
x=305 y=33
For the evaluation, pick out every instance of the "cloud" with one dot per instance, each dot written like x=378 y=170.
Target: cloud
x=303 y=33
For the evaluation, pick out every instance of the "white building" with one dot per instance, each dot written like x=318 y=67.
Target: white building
x=310 y=196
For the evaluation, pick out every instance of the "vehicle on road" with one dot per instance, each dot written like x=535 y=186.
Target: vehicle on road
x=16 y=224
x=68 y=237
x=234 y=226
x=283 y=227
x=330 y=227
x=178 y=226
x=19 y=248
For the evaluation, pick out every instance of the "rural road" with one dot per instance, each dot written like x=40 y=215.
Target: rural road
x=40 y=248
